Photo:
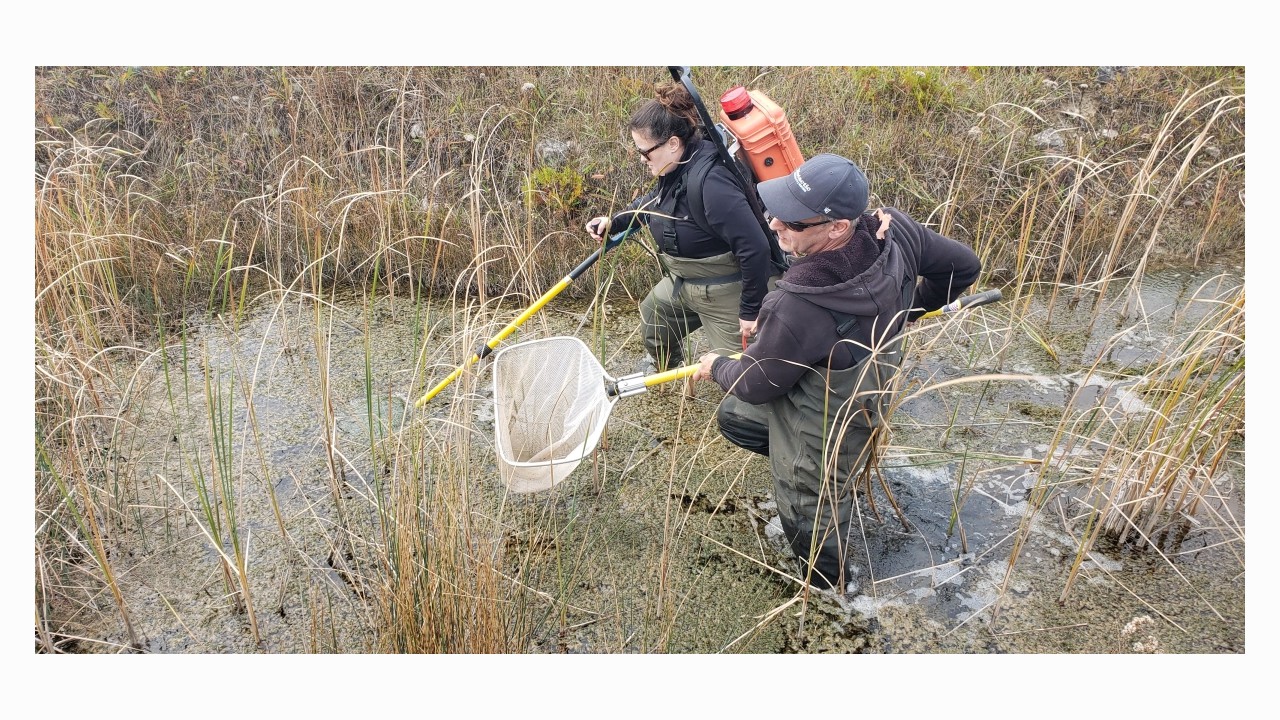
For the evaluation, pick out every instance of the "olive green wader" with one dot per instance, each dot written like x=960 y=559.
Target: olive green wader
x=695 y=293
x=818 y=438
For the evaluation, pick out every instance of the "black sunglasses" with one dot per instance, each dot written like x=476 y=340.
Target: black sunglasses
x=645 y=153
x=798 y=226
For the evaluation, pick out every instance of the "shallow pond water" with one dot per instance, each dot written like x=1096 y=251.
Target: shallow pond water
x=666 y=539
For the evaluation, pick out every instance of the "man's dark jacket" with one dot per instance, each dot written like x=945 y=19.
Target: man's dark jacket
x=798 y=330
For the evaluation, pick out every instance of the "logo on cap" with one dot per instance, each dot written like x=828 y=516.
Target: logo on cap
x=800 y=181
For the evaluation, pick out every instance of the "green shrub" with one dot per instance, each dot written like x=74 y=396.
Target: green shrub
x=559 y=190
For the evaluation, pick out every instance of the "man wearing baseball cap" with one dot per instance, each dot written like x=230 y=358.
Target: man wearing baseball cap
x=809 y=393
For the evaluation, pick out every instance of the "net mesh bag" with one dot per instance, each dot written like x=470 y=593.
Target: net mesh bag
x=550 y=407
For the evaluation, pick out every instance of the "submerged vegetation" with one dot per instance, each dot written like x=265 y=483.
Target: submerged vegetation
x=201 y=235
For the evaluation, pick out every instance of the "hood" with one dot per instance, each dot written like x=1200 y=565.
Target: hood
x=877 y=266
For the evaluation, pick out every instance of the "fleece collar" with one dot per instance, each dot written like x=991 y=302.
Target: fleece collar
x=833 y=267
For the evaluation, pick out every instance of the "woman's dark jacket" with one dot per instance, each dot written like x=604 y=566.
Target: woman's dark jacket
x=727 y=212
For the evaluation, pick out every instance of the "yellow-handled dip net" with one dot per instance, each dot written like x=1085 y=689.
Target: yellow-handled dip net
x=551 y=400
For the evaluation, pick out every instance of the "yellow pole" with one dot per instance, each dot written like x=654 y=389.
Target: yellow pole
x=668 y=376
x=493 y=342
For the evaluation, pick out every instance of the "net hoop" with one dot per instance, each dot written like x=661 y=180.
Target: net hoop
x=550 y=409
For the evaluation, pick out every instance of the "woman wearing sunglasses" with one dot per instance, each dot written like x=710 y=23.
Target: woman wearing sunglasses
x=712 y=280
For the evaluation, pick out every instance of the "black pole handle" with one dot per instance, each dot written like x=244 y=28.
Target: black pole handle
x=985 y=297
x=609 y=244
x=680 y=73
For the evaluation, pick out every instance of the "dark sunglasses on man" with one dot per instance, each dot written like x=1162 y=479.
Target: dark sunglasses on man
x=797 y=226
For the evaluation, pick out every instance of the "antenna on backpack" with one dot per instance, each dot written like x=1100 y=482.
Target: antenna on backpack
x=680 y=73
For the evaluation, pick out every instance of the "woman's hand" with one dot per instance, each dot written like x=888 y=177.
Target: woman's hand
x=885 y=219
x=598 y=226
x=747 y=329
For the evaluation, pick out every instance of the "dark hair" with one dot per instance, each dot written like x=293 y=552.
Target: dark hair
x=672 y=112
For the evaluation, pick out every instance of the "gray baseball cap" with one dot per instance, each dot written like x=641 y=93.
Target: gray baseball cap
x=825 y=184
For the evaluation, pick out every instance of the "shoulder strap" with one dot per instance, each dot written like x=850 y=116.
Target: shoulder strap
x=698 y=212
x=694 y=180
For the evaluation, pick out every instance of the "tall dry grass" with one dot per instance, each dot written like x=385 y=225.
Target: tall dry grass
x=1177 y=461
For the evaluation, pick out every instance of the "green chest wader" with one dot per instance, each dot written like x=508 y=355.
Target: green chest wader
x=820 y=437
x=821 y=434
x=696 y=293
